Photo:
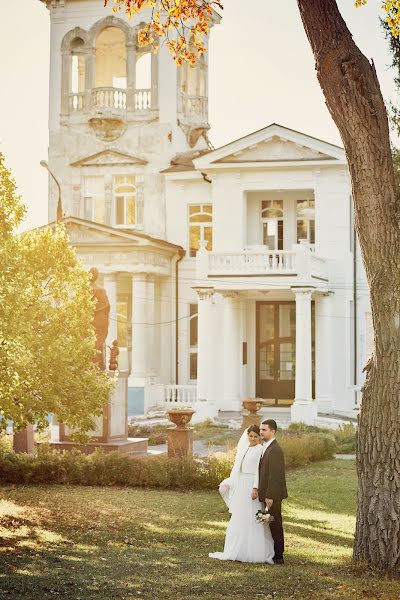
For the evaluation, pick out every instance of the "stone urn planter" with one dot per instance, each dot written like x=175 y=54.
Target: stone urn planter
x=180 y=437
x=250 y=415
x=180 y=416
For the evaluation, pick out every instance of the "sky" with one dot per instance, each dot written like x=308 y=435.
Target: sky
x=261 y=71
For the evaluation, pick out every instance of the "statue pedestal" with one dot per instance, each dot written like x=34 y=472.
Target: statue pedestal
x=180 y=438
x=111 y=428
x=23 y=440
x=180 y=442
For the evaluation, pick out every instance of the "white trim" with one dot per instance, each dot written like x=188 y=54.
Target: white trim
x=285 y=164
x=265 y=134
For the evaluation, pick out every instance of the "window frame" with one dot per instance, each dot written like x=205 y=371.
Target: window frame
x=94 y=198
x=125 y=194
x=201 y=224
x=278 y=220
x=307 y=221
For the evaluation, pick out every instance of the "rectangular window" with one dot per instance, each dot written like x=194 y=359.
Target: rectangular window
x=306 y=221
x=93 y=199
x=272 y=220
x=200 y=227
x=125 y=200
x=193 y=340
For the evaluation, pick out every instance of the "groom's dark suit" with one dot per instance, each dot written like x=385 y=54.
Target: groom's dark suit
x=272 y=485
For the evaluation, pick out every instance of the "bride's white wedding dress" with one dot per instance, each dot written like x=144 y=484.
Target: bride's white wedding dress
x=246 y=540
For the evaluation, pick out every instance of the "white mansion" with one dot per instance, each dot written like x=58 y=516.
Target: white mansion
x=232 y=273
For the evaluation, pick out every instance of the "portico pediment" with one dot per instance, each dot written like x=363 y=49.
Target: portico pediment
x=109 y=157
x=275 y=149
x=272 y=145
x=91 y=234
x=88 y=233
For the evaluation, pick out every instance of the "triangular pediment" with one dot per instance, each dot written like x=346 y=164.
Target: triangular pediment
x=271 y=145
x=275 y=149
x=107 y=158
x=88 y=233
x=81 y=233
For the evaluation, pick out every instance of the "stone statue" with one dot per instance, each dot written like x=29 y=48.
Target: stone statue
x=114 y=351
x=100 y=318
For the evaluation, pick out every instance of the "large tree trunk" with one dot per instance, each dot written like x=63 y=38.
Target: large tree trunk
x=355 y=102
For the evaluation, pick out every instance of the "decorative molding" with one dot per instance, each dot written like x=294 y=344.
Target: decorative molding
x=108 y=157
x=204 y=293
x=107 y=129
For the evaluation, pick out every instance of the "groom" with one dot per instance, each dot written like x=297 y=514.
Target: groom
x=272 y=484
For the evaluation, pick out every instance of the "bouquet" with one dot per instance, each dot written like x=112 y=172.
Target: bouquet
x=264 y=517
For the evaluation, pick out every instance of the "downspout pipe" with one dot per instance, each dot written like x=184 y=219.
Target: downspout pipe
x=180 y=257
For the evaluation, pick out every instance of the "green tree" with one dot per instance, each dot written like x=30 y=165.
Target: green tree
x=354 y=99
x=47 y=342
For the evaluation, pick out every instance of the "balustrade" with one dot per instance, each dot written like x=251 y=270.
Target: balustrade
x=109 y=97
x=252 y=263
x=76 y=102
x=142 y=99
x=194 y=106
x=180 y=395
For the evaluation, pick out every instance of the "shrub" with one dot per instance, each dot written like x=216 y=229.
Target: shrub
x=345 y=435
x=110 y=469
x=156 y=434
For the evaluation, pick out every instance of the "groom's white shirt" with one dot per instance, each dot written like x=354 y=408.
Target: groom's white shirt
x=267 y=445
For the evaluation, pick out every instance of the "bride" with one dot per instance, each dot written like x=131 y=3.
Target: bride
x=246 y=540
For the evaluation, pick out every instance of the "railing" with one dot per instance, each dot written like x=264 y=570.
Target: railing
x=252 y=263
x=109 y=97
x=180 y=395
x=76 y=102
x=142 y=99
x=194 y=106
x=300 y=262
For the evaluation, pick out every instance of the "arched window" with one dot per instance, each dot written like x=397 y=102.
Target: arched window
x=125 y=200
x=143 y=80
x=111 y=71
x=306 y=221
x=200 y=227
x=193 y=85
x=272 y=223
x=77 y=74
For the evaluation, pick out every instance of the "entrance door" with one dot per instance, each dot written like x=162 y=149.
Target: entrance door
x=276 y=351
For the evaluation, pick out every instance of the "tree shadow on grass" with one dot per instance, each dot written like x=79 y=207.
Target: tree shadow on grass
x=317 y=531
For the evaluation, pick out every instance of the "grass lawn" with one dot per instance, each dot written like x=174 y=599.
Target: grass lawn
x=105 y=543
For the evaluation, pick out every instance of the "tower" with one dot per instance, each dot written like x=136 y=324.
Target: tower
x=118 y=115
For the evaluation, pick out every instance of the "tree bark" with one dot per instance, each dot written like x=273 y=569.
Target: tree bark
x=354 y=99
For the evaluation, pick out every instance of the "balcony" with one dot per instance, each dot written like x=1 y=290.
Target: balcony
x=193 y=108
x=112 y=99
x=299 y=266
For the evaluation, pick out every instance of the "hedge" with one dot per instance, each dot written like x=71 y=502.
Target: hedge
x=114 y=469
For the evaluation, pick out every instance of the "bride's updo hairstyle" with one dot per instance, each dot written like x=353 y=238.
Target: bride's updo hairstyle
x=254 y=428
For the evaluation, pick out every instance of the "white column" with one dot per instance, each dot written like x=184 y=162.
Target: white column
x=323 y=353
x=204 y=344
x=151 y=317
x=304 y=409
x=232 y=362
x=139 y=327
x=110 y=285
